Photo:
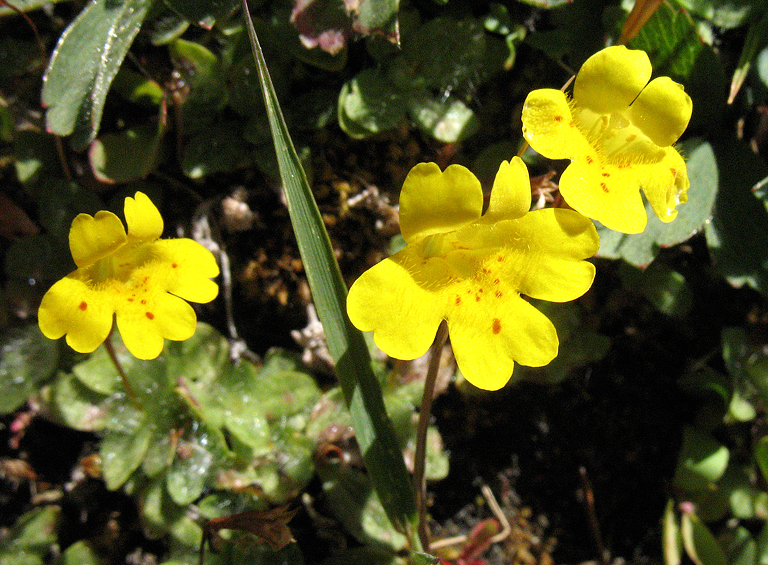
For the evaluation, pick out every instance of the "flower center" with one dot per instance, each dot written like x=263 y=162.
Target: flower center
x=616 y=138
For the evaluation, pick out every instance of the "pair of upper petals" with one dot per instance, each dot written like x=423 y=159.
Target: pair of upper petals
x=470 y=269
x=618 y=130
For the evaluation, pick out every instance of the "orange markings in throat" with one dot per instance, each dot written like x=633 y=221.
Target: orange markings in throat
x=83 y=305
x=605 y=188
x=496 y=325
x=150 y=315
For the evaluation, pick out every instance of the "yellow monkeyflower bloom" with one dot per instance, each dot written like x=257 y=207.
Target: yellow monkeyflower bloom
x=618 y=132
x=471 y=268
x=137 y=278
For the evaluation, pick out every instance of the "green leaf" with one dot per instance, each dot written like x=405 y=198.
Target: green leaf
x=26 y=6
x=362 y=391
x=664 y=287
x=640 y=249
x=756 y=40
x=702 y=461
x=671 y=40
x=126 y=156
x=87 y=57
x=188 y=474
x=122 y=451
x=79 y=553
x=740 y=547
x=369 y=104
x=78 y=406
x=722 y=13
x=204 y=14
x=31 y=538
x=27 y=358
x=670 y=532
x=700 y=545
x=738 y=233
x=447 y=121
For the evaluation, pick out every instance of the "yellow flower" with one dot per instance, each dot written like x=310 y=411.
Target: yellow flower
x=141 y=279
x=470 y=269
x=618 y=132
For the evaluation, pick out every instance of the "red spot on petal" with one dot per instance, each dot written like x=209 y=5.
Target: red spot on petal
x=150 y=315
x=558 y=118
x=572 y=123
x=480 y=290
x=496 y=325
x=477 y=298
x=605 y=188
x=145 y=280
x=500 y=258
x=606 y=174
x=458 y=300
x=496 y=281
x=498 y=294
x=130 y=300
x=83 y=305
x=143 y=301
x=590 y=160
x=673 y=171
x=487 y=271
x=174 y=265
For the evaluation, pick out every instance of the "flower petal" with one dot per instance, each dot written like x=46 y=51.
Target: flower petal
x=84 y=315
x=94 y=237
x=611 y=79
x=144 y=327
x=434 y=201
x=143 y=219
x=549 y=127
x=662 y=111
x=609 y=194
x=665 y=184
x=187 y=268
x=511 y=192
x=396 y=300
x=487 y=346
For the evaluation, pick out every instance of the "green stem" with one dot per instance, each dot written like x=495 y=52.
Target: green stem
x=420 y=457
x=116 y=362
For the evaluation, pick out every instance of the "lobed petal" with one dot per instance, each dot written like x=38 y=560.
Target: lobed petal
x=611 y=79
x=434 y=201
x=94 y=237
x=143 y=219
x=662 y=111
x=144 y=327
x=549 y=127
x=487 y=342
x=607 y=193
x=665 y=184
x=186 y=268
x=70 y=307
x=396 y=300
x=511 y=192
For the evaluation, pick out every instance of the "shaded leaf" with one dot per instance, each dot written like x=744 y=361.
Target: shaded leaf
x=269 y=525
x=702 y=461
x=27 y=358
x=700 y=545
x=204 y=14
x=86 y=59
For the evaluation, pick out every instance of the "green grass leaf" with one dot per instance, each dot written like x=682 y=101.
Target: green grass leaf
x=362 y=392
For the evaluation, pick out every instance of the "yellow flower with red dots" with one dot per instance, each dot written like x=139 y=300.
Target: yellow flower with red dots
x=471 y=269
x=618 y=131
x=136 y=278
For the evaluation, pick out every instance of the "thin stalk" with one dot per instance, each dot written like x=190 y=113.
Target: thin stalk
x=116 y=362
x=420 y=457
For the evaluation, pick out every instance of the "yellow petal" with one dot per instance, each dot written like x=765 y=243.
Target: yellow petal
x=396 y=300
x=549 y=127
x=557 y=242
x=93 y=238
x=662 y=111
x=84 y=315
x=144 y=327
x=487 y=346
x=187 y=267
x=609 y=194
x=143 y=219
x=437 y=202
x=511 y=193
x=611 y=79
x=665 y=184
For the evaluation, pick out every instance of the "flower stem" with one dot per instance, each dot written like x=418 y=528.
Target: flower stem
x=420 y=457
x=120 y=371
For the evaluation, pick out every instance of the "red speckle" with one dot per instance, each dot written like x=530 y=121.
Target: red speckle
x=145 y=280
x=572 y=123
x=498 y=294
x=486 y=271
x=477 y=298
x=674 y=172
x=458 y=300
x=130 y=300
x=143 y=301
x=83 y=305
x=590 y=160
x=558 y=118
x=496 y=281
x=174 y=265
x=480 y=290
x=500 y=258
x=496 y=325
x=150 y=315
x=605 y=188
x=606 y=174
